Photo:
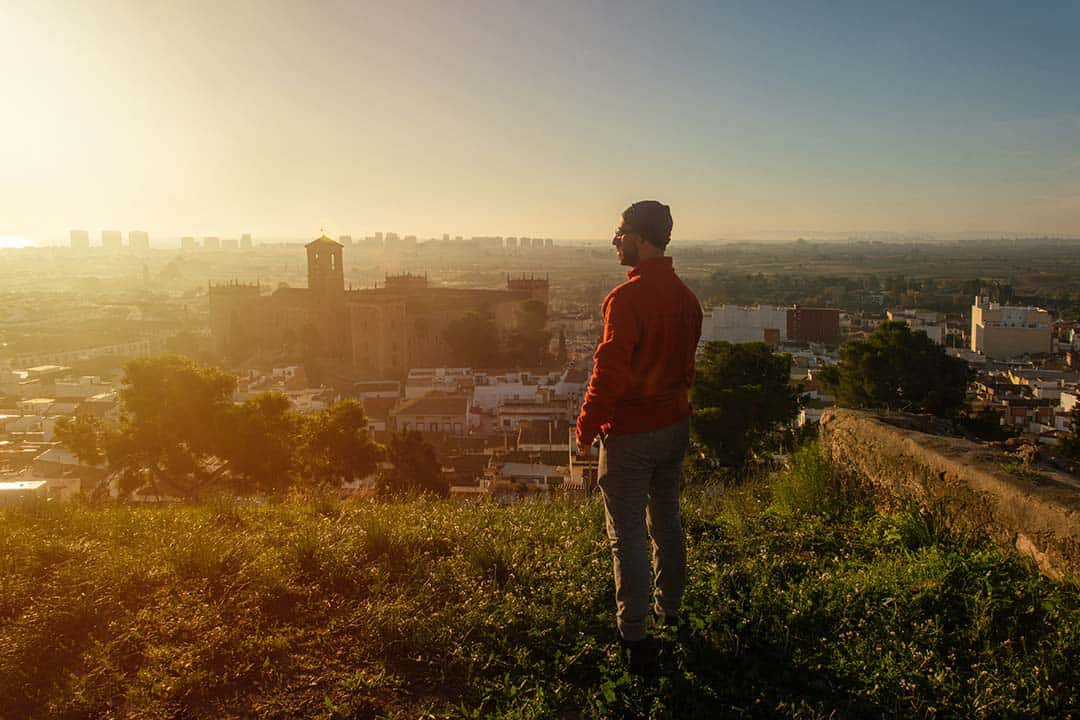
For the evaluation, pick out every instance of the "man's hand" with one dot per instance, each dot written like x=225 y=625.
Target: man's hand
x=583 y=449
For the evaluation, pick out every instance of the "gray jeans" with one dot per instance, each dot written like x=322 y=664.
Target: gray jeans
x=639 y=475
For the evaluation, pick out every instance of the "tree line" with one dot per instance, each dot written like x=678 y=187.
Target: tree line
x=180 y=430
x=744 y=400
x=475 y=340
x=181 y=434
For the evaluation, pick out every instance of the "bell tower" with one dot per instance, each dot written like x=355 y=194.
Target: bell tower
x=325 y=273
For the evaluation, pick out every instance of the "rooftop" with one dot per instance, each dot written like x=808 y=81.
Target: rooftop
x=378 y=407
x=434 y=405
x=323 y=240
x=543 y=432
x=21 y=485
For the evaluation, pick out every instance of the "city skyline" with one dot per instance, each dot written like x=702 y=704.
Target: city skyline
x=278 y=119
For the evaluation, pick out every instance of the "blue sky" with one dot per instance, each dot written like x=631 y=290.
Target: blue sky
x=760 y=119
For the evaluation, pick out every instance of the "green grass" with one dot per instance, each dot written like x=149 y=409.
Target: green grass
x=799 y=605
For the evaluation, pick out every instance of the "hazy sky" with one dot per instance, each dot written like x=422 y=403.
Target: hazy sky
x=537 y=118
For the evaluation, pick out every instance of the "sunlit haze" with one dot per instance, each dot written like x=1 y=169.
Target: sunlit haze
x=280 y=118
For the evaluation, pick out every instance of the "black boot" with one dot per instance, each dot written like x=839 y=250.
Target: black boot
x=642 y=655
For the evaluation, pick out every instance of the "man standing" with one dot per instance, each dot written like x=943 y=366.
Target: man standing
x=638 y=403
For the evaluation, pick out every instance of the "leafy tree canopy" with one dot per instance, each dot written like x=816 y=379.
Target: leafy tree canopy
x=171 y=423
x=262 y=443
x=896 y=369
x=529 y=341
x=337 y=447
x=416 y=469
x=474 y=341
x=741 y=396
x=83 y=435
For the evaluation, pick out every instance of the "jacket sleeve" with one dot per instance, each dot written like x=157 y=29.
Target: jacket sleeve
x=611 y=368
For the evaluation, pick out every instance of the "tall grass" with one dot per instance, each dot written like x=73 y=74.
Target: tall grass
x=808 y=484
x=801 y=603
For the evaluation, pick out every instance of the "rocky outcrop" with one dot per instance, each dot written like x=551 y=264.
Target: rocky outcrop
x=980 y=490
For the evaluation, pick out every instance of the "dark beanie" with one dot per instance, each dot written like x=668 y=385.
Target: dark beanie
x=651 y=220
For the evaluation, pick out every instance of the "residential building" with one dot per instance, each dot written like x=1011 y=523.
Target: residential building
x=1001 y=331
x=507 y=481
x=365 y=389
x=446 y=414
x=1024 y=412
x=510 y=414
x=64 y=474
x=928 y=321
x=543 y=436
x=820 y=325
x=13 y=491
x=1066 y=406
x=424 y=381
x=739 y=324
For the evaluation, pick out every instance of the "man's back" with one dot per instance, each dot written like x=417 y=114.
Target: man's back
x=644 y=366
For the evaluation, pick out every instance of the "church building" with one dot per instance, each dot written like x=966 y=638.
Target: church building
x=376 y=332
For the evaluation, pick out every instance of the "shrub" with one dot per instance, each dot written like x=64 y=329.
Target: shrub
x=809 y=484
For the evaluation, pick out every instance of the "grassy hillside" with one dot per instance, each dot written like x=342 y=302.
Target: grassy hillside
x=799 y=606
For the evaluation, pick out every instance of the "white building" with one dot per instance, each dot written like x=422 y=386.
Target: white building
x=492 y=390
x=930 y=322
x=15 y=490
x=1066 y=405
x=425 y=381
x=82 y=388
x=738 y=323
x=1004 y=331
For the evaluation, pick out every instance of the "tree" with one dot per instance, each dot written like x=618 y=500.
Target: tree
x=416 y=469
x=262 y=443
x=84 y=436
x=741 y=397
x=897 y=369
x=529 y=341
x=473 y=340
x=337 y=447
x=171 y=425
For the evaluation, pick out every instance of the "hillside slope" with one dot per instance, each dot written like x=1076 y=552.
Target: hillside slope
x=799 y=606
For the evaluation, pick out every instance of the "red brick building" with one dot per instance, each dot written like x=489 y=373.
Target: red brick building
x=813 y=325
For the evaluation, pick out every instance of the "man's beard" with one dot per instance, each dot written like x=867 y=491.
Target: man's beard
x=629 y=256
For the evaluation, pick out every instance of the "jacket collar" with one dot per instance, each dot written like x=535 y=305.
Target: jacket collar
x=651 y=266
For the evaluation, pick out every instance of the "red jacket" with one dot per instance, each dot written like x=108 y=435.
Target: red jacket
x=644 y=366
